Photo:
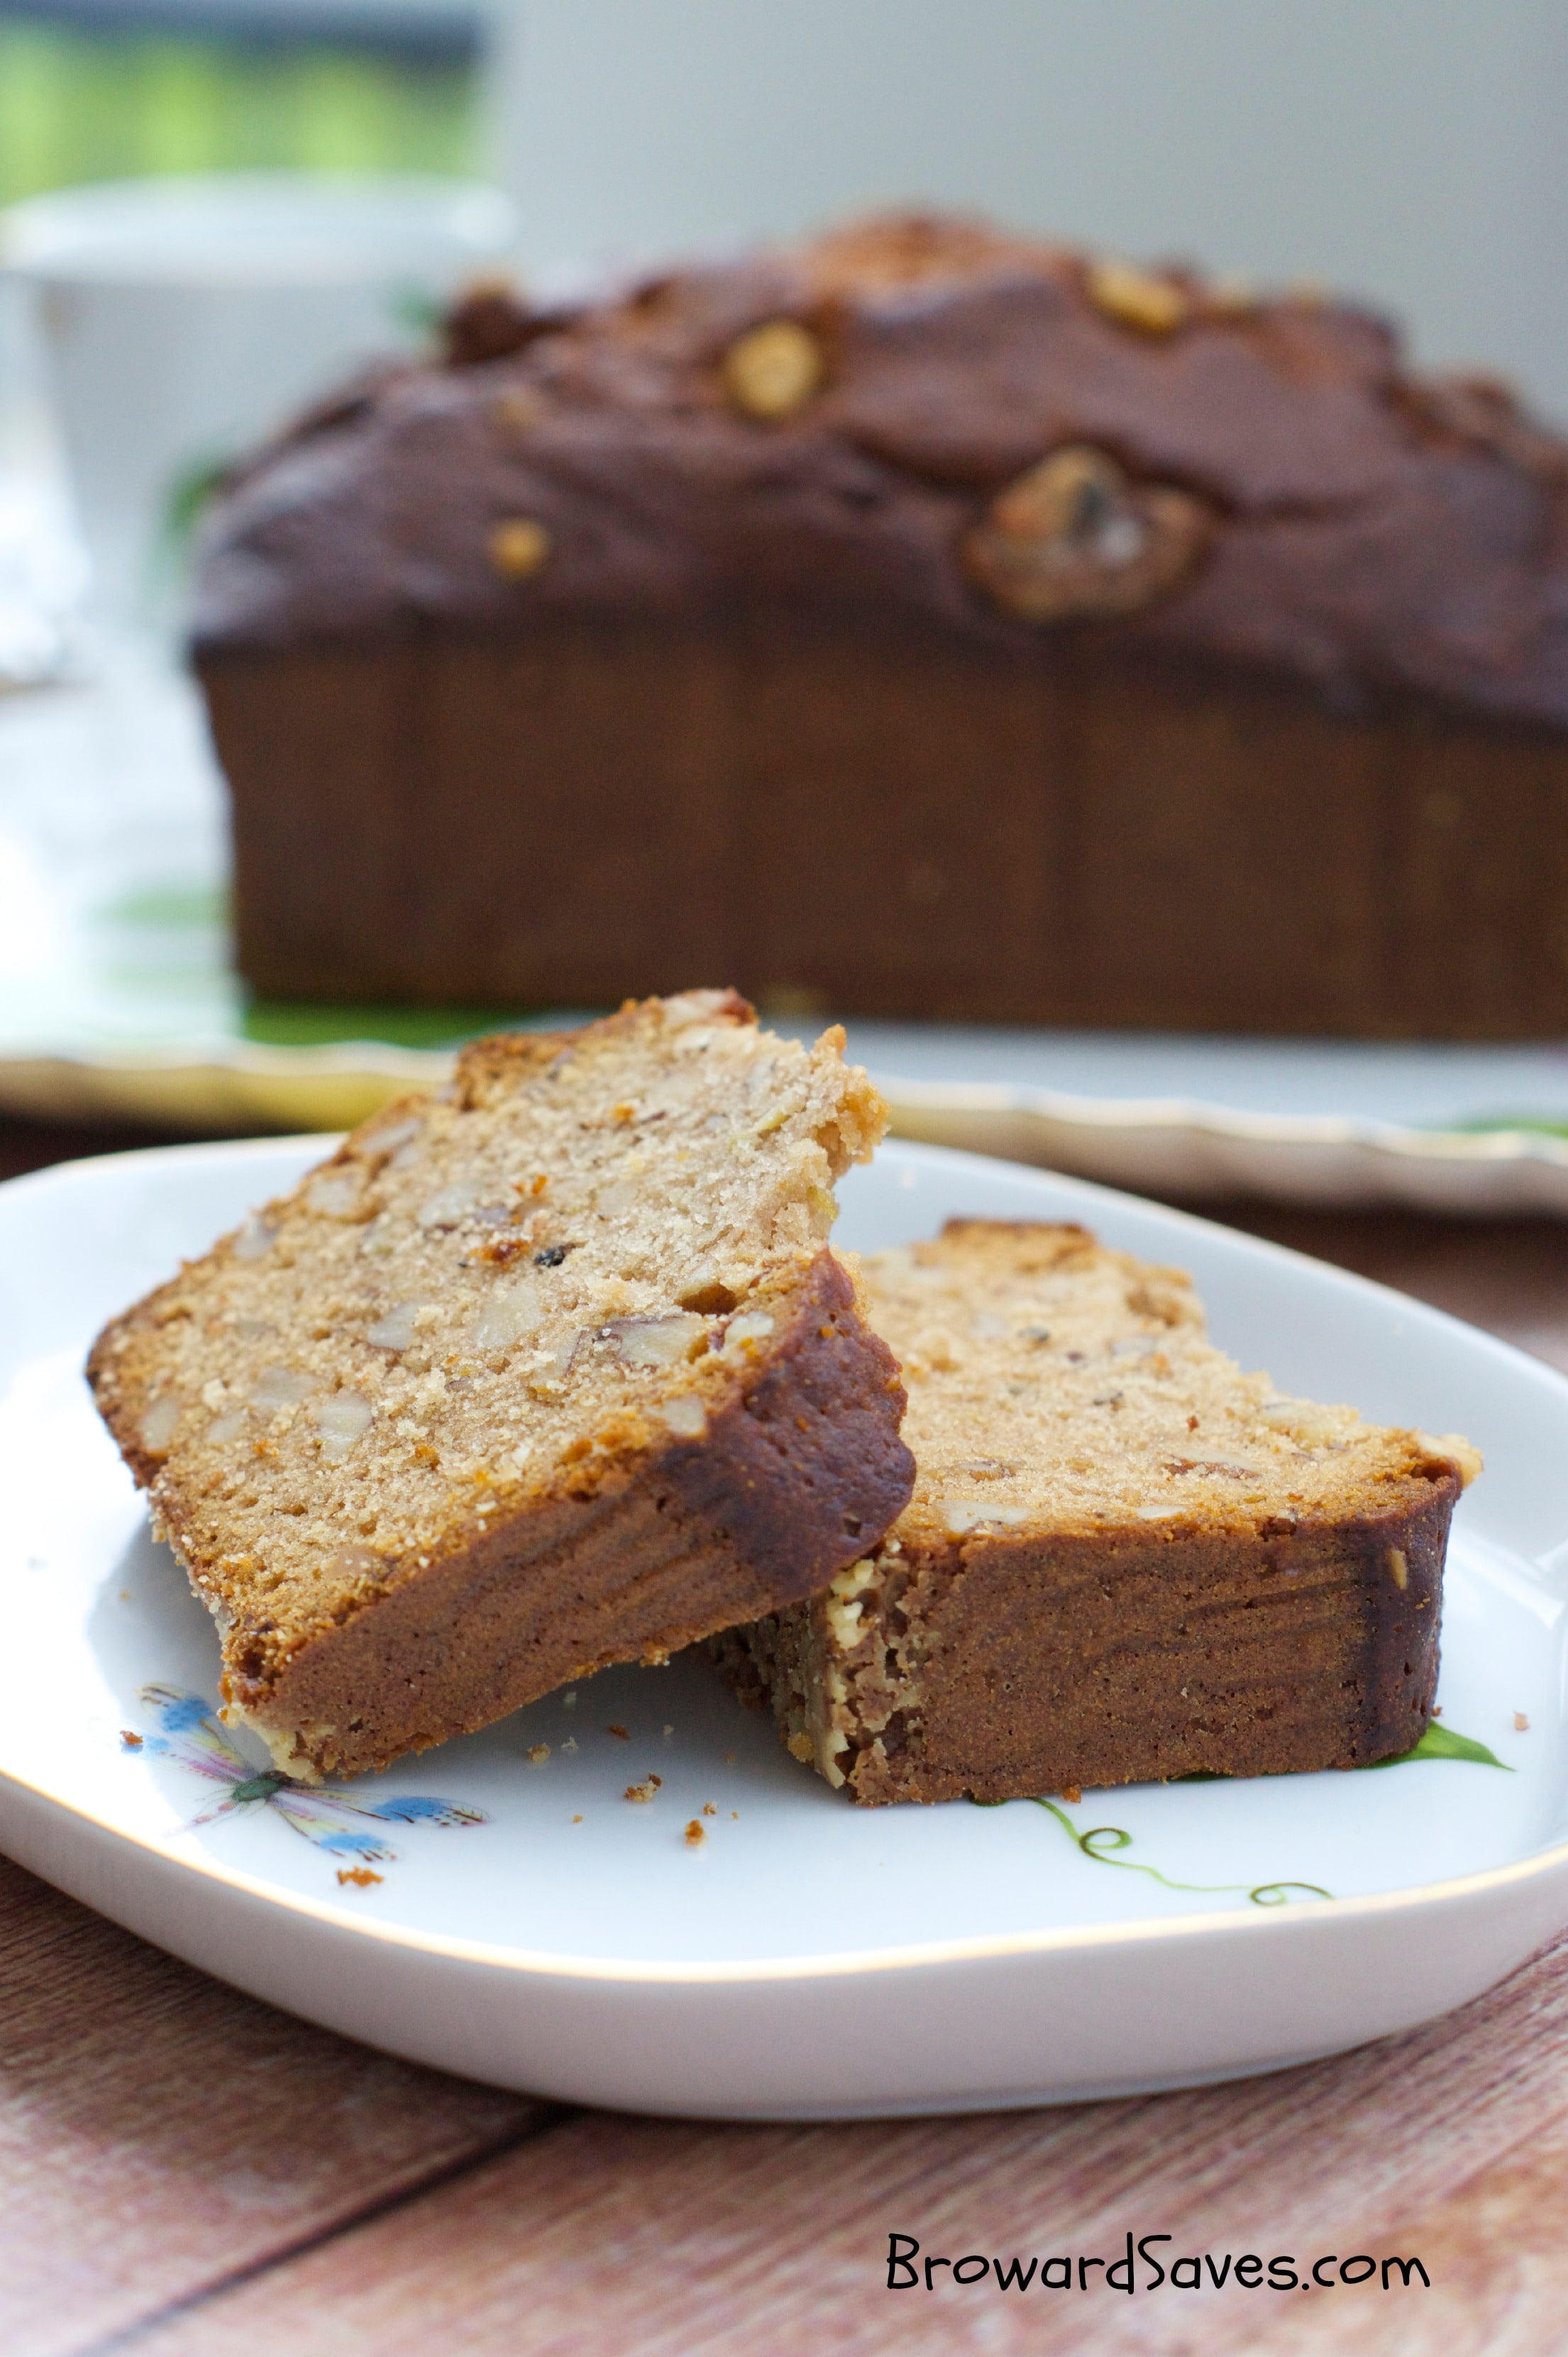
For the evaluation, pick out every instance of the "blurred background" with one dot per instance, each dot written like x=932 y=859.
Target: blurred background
x=211 y=210
x=1407 y=151
x=98 y=90
x=142 y=143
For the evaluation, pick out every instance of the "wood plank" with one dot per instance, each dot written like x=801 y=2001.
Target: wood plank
x=159 y=2132
x=658 y=2239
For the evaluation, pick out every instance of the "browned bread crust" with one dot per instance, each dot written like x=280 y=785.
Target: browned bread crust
x=673 y=459
x=1112 y=1598
x=1173 y=656
x=410 y=1515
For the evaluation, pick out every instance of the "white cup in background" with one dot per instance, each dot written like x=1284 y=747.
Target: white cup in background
x=182 y=320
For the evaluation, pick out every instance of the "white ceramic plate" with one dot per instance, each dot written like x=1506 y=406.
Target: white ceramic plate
x=807 y=1958
x=117 y=1002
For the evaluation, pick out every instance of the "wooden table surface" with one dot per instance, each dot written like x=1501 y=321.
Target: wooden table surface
x=183 y=2170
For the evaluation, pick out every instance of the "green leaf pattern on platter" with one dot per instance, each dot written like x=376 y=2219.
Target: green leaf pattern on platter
x=1443 y=1743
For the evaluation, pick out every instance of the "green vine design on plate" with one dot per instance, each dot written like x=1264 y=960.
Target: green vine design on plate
x=1100 y=1840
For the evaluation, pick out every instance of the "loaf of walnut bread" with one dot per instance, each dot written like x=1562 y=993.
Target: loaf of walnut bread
x=553 y=1370
x=1171 y=655
x=1124 y=1559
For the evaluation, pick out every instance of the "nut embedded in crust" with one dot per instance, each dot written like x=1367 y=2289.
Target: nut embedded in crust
x=773 y=371
x=1137 y=297
x=518 y=547
x=518 y=410
x=1074 y=540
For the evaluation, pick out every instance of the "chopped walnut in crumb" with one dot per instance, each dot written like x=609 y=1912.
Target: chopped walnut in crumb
x=1462 y=1454
x=499 y=1252
x=646 y=1790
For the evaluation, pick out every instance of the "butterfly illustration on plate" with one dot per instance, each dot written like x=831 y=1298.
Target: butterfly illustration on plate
x=191 y=1735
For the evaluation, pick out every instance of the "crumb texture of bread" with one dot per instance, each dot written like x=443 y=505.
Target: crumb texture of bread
x=1124 y=1560
x=553 y=1370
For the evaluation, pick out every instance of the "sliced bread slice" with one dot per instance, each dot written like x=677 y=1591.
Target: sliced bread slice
x=1124 y=1559
x=553 y=1371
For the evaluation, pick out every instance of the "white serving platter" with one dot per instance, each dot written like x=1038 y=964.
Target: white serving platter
x=807 y=1959
x=117 y=1002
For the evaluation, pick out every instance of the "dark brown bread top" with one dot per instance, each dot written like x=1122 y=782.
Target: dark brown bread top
x=928 y=416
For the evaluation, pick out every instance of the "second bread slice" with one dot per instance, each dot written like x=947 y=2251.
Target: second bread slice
x=1124 y=1559
x=553 y=1372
